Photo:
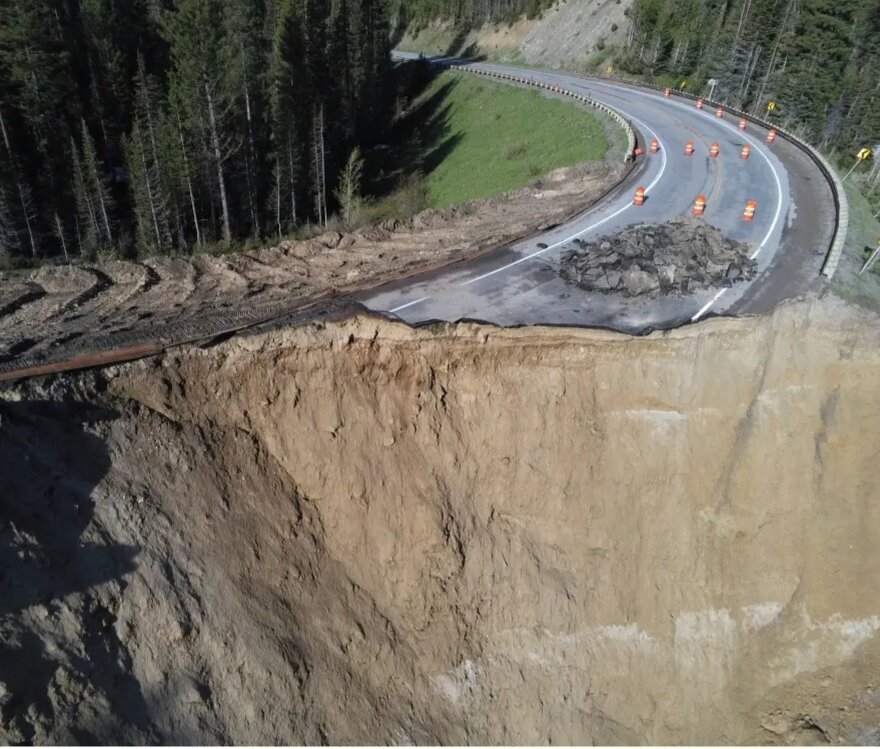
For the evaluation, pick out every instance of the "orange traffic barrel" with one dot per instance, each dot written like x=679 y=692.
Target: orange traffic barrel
x=714 y=150
x=689 y=148
x=699 y=205
x=747 y=149
x=666 y=91
x=749 y=212
x=699 y=103
x=655 y=145
x=719 y=113
x=742 y=123
x=639 y=199
x=771 y=136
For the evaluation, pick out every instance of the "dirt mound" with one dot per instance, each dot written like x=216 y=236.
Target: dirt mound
x=62 y=311
x=675 y=257
x=363 y=533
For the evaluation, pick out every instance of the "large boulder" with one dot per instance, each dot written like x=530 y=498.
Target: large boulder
x=638 y=282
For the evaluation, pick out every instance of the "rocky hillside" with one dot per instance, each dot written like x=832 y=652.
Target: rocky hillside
x=360 y=532
x=572 y=34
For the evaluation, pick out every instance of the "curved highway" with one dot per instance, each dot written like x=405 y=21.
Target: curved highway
x=519 y=284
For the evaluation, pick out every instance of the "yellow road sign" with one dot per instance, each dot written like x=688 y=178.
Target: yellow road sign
x=865 y=153
x=609 y=70
x=683 y=85
x=771 y=106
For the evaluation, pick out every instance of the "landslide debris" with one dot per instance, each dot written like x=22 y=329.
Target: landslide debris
x=679 y=256
x=64 y=310
x=358 y=532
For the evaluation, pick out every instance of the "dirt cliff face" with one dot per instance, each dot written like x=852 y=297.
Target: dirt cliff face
x=362 y=532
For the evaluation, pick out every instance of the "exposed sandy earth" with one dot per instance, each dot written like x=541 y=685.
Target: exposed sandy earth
x=360 y=532
x=58 y=312
x=570 y=34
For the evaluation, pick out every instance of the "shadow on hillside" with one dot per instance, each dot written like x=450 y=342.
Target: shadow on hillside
x=422 y=137
x=454 y=49
x=53 y=555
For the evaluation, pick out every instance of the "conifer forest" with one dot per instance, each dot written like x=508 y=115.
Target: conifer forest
x=163 y=126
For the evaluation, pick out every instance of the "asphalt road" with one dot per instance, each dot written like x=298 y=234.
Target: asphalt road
x=520 y=285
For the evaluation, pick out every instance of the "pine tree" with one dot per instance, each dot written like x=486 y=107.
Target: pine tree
x=195 y=34
x=319 y=164
x=149 y=184
x=96 y=186
x=23 y=195
x=244 y=85
x=9 y=242
x=89 y=227
x=149 y=208
x=348 y=194
x=284 y=68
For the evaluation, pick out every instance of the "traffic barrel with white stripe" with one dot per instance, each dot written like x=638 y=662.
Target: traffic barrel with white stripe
x=689 y=148
x=714 y=150
x=667 y=92
x=655 y=145
x=699 y=103
x=639 y=199
x=771 y=136
x=746 y=150
x=742 y=123
x=719 y=113
x=749 y=212
x=699 y=205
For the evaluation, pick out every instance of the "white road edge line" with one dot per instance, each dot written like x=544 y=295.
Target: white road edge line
x=706 y=307
x=561 y=242
x=758 y=147
x=703 y=310
x=409 y=304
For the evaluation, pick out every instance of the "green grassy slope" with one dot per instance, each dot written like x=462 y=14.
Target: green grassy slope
x=864 y=232
x=488 y=138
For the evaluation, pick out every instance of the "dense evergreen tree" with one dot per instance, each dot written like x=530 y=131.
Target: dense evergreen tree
x=819 y=60
x=152 y=126
x=466 y=12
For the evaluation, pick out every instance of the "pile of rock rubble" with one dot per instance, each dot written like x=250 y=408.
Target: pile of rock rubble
x=676 y=257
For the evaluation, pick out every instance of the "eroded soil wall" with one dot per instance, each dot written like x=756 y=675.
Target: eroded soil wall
x=366 y=533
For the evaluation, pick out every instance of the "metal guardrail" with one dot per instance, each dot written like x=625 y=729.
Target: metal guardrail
x=628 y=129
x=841 y=203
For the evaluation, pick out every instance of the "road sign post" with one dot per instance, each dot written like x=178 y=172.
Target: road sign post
x=869 y=263
x=861 y=156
